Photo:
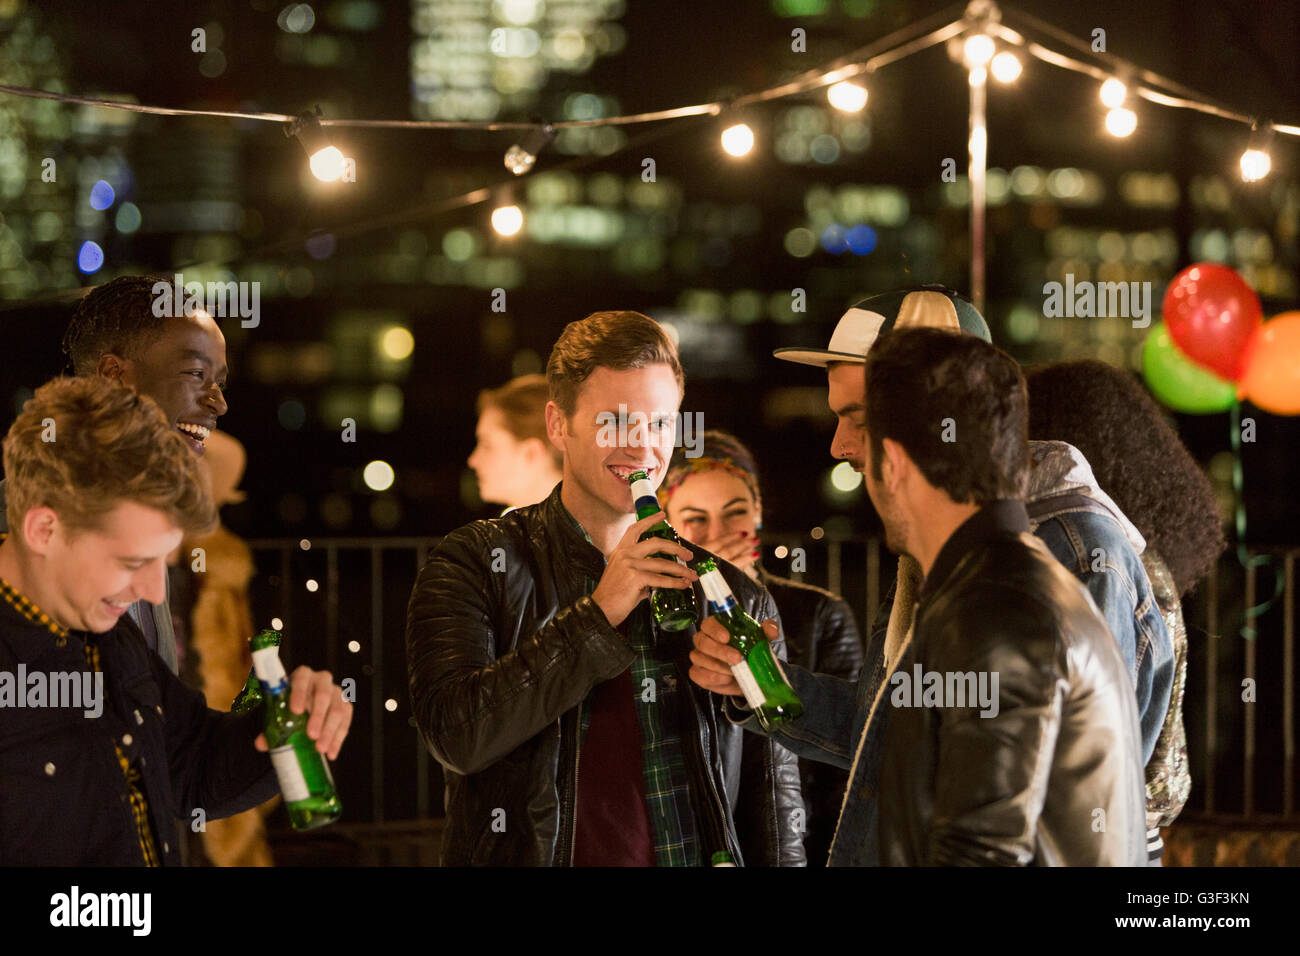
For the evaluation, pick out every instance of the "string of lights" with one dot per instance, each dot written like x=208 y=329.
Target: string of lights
x=980 y=25
x=863 y=61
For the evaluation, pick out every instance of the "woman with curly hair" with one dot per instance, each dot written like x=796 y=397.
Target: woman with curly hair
x=713 y=501
x=1140 y=462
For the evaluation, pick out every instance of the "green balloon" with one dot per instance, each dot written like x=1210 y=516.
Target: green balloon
x=1179 y=382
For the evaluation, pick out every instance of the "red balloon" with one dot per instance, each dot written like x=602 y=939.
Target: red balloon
x=1212 y=315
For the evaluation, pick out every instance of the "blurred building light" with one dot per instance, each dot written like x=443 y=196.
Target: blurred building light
x=397 y=343
x=378 y=475
x=127 y=219
x=296 y=18
x=90 y=258
x=844 y=478
x=101 y=195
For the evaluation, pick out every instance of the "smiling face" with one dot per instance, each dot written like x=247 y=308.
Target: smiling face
x=92 y=576
x=184 y=370
x=846 y=395
x=598 y=453
x=709 y=505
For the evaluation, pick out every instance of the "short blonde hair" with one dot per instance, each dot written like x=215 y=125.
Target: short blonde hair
x=81 y=446
x=522 y=403
x=617 y=340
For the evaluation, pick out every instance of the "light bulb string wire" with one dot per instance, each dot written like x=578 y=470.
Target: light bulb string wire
x=889 y=49
x=892 y=48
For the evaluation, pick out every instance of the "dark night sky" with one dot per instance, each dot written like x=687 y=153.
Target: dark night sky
x=676 y=52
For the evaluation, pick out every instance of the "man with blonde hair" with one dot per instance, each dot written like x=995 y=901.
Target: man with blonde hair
x=565 y=721
x=101 y=746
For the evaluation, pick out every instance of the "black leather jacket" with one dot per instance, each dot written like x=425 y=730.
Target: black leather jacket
x=1054 y=776
x=503 y=645
x=821 y=635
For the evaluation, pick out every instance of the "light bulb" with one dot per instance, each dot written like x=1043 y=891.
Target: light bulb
x=1113 y=93
x=1121 y=121
x=519 y=160
x=979 y=49
x=847 y=97
x=1006 y=67
x=327 y=164
x=507 y=220
x=738 y=140
x=1255 y=164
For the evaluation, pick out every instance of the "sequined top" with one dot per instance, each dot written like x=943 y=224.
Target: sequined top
x=1169 y=781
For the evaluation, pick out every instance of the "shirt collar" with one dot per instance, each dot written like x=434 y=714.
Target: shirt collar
x=589 y=559
x=997 y=518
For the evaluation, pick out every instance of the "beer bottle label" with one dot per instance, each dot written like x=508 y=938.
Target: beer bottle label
x=754 y=695
x=293 y=784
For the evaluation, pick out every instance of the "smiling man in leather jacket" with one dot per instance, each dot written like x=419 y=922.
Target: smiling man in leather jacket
x=565 y=721
x=1014 y=731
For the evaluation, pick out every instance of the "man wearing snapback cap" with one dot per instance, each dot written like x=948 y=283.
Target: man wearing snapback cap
x=1078 y=522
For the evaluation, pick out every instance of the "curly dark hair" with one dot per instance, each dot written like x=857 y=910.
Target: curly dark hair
x=1136 y=457
x=114 y=317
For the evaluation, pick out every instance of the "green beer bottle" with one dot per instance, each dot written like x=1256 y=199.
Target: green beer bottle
x=722 y=858
x=251 y=695
x=304 y=774
x=759 y=675
x=673 y=608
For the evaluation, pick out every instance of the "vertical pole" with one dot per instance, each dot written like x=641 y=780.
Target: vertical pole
x=1211 y=686
x=377 y=684
x=1288 y=691
x=421 y=752
x=978 y=146
x=1248 y=763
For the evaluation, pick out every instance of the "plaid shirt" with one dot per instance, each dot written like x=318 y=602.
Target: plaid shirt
x=659 y=700
x=135 y=789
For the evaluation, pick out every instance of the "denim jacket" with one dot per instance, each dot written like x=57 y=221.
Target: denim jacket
x=1103 y=549
x=833 y=728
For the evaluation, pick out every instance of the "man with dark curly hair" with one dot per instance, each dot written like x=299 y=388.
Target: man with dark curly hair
x=178 y=361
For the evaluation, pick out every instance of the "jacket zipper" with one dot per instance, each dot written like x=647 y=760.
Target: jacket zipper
x=577 y=756
x=701 y=765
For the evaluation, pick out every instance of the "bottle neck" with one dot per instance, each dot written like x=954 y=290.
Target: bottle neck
x=269 y=671
x=718 y=593
x=644 y=499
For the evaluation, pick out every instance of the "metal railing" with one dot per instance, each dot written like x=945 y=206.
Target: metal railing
x=1223 y=729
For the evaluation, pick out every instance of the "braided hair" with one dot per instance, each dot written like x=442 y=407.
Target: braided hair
x=116 y=317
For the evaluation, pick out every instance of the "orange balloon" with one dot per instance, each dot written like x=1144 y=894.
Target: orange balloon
x=1272 y=379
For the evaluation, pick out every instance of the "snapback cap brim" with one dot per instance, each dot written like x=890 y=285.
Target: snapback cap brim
x=820 y=357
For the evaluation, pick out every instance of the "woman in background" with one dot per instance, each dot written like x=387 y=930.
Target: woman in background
x=1140 y=462
x=714 y=502
x=515 y=462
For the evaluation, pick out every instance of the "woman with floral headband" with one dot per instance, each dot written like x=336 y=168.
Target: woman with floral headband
x=714 y=502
